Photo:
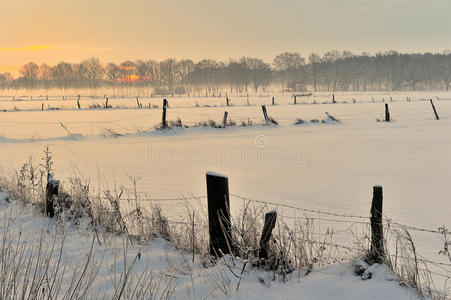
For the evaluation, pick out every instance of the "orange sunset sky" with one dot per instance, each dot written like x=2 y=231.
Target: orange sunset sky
x=54 y=30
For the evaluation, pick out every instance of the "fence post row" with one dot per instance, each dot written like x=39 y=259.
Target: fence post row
x=387 y=113
x=435 y=111
x=224 y=120
x=265 y=114
x=50 y=194
x=270 y=223
x=219 y=214
x=163 y=117
x=377 y=252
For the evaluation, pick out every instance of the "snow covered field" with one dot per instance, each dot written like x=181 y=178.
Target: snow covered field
x=157 y=270
x=328 y=167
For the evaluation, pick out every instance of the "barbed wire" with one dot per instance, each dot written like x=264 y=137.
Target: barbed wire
x=165 y=199
x=323 y=219
x=299 y=208
x=409 y=227
x=388 y=220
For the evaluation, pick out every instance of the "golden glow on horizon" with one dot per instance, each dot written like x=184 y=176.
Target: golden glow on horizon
x=9 y=68
x=126 y=68
x=27 y=48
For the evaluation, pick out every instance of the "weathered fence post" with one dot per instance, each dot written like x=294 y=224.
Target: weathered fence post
x=272 y=100
x=387 y=113
x=265 y=113
x=106 y=102
x=224 y=120
x=78 y=103
x=270 y=223
x=50 y=193
x=227 y=101
x=333 y=99
x=164 y=124
x=435 y=112
x=294 y=98
x=42 y=106
x=377 y=233
x=137 y=102
x=219 y=214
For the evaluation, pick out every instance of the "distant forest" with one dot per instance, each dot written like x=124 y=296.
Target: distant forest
x=334 y=71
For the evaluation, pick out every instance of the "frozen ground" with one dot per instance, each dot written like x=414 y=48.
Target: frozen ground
x=329 y=167
x=169 y=269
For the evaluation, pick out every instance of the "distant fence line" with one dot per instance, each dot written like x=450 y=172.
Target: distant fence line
x=140 y=105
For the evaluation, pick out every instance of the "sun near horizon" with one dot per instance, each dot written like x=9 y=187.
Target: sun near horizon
x=50 y=31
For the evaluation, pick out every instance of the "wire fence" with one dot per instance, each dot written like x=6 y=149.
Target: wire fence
x=339 y=218
x=438 y=269
x=71 y=102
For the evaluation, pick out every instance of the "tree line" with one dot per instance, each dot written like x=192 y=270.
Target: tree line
x=334 y=71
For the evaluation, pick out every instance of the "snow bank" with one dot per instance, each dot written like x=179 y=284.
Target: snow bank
x=175 y=270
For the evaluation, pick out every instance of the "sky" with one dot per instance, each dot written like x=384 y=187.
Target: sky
x=50 y=31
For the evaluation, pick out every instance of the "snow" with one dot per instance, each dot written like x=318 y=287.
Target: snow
x=323 y=166
x=211 y=173
x=190 y=280
x=54 y=182
x=4 y=197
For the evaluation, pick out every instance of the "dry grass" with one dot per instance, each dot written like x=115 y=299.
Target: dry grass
x=34 y=269
x=295 y=244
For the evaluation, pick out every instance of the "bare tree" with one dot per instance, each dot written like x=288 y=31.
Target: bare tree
x=290 y=65
x=30 y=73
x=93 y=71
x=314 y=60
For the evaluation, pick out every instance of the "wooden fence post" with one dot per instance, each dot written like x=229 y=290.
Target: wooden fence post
x=270 y=223
x=106 y=102
x=42 y=106
x=377 y=232
x=294 y=97
x=78 y=103
x=265 y=114
x=224 y=120
x=227 y=101
x=435 y=112
x=272 y=100
x=164 y=124
x=219 y=214
x=50 y=194
x=333 y=99
x=387 y=113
